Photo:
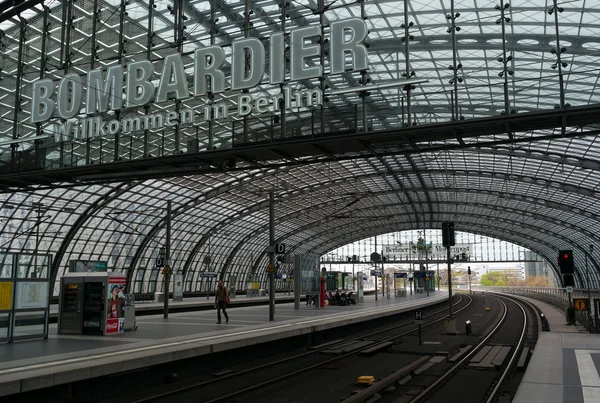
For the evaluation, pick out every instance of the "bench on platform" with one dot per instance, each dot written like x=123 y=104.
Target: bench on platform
x=144 y=297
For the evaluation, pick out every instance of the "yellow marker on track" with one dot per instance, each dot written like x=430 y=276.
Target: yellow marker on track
x=366 y=379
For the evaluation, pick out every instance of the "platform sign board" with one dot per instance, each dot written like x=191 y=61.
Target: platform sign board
x=307 y=277
x=420 y=274
x=418 y=317
x=162 y=257
x=24 y=286
x=32 y=294
x=6 y=291
x=416 y=252
x=569 y=289
x=208 y=275
x=580 y=304
x=400 y=275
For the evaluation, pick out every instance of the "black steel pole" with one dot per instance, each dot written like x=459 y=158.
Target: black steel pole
x=272 y=255
x=449 y=283
x=589 y=278
x=167 y=258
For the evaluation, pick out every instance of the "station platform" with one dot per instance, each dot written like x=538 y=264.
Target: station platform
x=565 y=365
x=61 y=359
x=193 y=304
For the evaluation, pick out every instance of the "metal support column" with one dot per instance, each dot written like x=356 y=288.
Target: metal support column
x=247 y=25
x=561 y=84
x=454 y=64
x=282 y=102
x=449 y=282
x=376 y=270
x=407 y=60
x=589 y=292
x=321 y=8
x=168 y=260
x=121 y=51
x=504 y=57
x=17 y=92
x=272 y=255
x=211 y=95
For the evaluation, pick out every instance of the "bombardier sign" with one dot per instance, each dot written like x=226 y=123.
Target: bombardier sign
x=77 y=100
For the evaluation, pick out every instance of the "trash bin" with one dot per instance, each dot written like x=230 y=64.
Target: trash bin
x=262 y=292
x=159 y=297
x=130 y=322
x=129 y=313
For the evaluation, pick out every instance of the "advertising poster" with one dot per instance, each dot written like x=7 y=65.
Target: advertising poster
x=178 y=287
x=361 y=286
x=232 y=281
x=115 y=315
x=86 y=266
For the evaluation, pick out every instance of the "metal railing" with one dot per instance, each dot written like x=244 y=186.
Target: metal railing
x=559 y=298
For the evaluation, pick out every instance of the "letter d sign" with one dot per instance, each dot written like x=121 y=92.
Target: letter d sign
x=280 y=249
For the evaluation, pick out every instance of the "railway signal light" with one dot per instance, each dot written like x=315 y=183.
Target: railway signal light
x=568 y=280
x=565 y=262
x=448 y=233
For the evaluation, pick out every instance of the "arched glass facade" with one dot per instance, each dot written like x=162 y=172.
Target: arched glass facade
x=538 y=189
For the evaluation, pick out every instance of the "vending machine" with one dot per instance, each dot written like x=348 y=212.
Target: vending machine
x=92 y=303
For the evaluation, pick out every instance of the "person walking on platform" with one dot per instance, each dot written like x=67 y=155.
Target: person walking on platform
x=221 y=300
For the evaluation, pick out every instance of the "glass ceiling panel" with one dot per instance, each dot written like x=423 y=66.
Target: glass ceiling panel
x=525 y=189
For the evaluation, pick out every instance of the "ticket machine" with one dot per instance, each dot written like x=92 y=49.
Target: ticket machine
x=92 y=303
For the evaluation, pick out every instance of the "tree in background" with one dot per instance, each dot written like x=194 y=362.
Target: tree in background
x=494 y=279
x=538 y=281
x=499 y=279
x=456 y=277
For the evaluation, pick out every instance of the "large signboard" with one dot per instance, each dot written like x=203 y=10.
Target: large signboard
x=310 y=280
x=85 y=266
x=434 y=251
x=115 y=315
x=82 y=103
x=32 y=295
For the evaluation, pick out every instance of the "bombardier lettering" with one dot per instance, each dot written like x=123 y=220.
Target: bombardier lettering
x=131 y=86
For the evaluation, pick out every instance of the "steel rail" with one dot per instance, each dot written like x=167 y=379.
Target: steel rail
x=515 y=355
x=304 y=369
x=459 y=365
x=378 y=386
x=337 y=358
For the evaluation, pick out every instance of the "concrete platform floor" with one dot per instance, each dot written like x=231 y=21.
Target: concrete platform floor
x=565 y=366
x=67 y=358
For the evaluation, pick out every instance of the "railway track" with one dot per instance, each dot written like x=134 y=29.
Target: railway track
x=438 y=386
x=455 y=381
x=301 y=363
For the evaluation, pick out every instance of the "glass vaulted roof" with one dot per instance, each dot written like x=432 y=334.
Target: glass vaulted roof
x=480 y=59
